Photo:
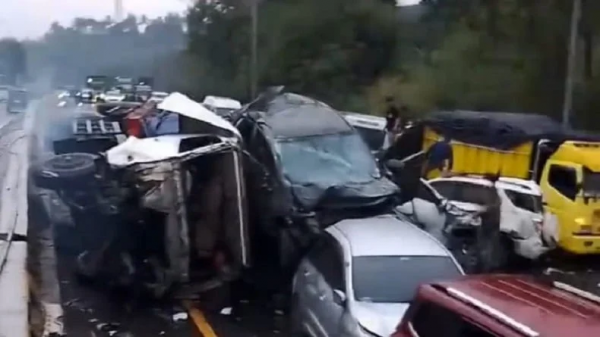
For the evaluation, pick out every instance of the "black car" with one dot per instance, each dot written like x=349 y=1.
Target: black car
x=307 y=169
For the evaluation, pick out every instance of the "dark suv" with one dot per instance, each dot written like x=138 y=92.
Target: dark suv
x=307 y=168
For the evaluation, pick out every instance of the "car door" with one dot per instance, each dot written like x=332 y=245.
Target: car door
x=331 y=268
x=560 y=182
x=306 y=292
x=329 y=264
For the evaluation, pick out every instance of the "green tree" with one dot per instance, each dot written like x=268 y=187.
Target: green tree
x=12 y=60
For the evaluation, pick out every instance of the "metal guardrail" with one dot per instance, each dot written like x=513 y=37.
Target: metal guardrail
x=14 y=288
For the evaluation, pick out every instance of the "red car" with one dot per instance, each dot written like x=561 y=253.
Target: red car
x=501 y=306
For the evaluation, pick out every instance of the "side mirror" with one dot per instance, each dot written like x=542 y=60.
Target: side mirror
x=339 y=297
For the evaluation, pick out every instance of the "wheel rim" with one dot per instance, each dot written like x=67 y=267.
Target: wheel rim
x=69 y=161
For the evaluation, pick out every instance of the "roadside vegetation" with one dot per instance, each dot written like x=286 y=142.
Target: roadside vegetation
x=496 y=55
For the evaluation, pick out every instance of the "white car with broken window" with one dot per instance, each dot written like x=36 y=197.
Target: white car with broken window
x=522 y=219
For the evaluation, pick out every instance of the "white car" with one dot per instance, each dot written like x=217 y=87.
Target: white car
x=371 y=129
x=222 y=106
x=522 y=215
x=362 y=276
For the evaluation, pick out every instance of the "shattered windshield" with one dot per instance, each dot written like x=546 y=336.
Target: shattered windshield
x=327 y=160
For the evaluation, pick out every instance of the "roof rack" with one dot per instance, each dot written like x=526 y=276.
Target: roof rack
x=498 y=315
x=576 y=291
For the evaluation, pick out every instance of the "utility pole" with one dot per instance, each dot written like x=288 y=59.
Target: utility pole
x=254 y=47
x=118 y=10
x=571 y=64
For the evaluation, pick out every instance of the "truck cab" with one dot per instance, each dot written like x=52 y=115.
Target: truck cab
x=571 y=183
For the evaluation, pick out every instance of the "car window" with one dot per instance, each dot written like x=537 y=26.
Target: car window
x=564 y=180
x=373 y=137
x=425 y=193
x=447 y=323
x=526 y=201
x=444 y=188
x=591 y=182
x=395 y=279
x=464 y=191
x=327 y=258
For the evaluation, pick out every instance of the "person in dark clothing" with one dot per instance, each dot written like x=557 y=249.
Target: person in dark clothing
x=392 y=115
x=439 y=157
x=491 y=254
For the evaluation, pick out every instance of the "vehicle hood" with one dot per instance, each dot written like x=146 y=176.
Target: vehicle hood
x=135 y=151
x=183 y=105
x=311 y=196
x=379 y=318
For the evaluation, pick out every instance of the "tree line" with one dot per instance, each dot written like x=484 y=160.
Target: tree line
x=492 y=55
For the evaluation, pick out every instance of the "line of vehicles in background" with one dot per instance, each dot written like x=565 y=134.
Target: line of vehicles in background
x=285 y=195
x=103 y=89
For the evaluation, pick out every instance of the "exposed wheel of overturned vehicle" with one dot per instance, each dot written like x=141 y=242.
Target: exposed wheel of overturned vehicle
x=64 y=170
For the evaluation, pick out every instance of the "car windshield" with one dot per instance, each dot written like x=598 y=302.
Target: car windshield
x=330 y=160
x=395 y=279
x=526 y=201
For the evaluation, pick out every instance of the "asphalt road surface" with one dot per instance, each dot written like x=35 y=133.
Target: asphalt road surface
x=92 y=310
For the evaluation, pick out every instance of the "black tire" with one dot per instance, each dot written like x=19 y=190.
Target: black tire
x=64 y=169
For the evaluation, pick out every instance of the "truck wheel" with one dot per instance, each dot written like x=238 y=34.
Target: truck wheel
x=63 y=169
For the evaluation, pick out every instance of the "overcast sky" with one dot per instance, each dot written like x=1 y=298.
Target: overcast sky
x=31 y=18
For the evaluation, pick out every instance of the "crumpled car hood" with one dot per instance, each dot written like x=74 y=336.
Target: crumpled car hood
x=343 y=196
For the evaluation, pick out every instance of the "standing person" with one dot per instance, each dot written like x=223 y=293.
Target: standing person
x=392 y=117
x=439 y=157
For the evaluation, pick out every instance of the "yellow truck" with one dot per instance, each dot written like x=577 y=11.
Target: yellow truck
x=565 y=163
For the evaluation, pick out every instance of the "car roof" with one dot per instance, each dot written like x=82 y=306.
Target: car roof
x=306 y=121
x=525 y=304
x=387 y=235
x=505 y=183
x=222 y=102
x=365 y=121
